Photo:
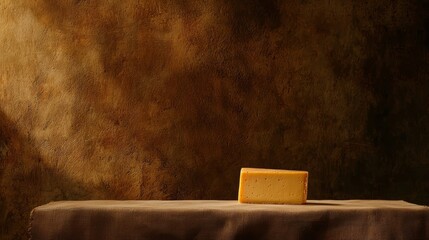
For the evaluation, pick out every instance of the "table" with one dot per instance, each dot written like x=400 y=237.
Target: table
x=202 y=219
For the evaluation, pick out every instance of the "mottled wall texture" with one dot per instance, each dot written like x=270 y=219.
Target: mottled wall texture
x=168 y=99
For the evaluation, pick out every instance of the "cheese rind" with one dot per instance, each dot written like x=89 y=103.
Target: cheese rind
x=258 y=185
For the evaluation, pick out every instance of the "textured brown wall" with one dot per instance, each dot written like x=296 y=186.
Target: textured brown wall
x=161 y=99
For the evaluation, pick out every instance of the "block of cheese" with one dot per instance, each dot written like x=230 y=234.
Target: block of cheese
x=258 y=185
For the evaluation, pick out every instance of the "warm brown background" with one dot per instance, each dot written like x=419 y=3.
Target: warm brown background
x=162 y=99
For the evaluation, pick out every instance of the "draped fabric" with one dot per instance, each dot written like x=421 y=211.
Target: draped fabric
x=202 y=219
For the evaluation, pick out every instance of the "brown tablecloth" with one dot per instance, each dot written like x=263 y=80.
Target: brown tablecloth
x=328 y=219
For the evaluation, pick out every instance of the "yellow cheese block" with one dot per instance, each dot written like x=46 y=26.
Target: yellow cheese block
x=258 y=185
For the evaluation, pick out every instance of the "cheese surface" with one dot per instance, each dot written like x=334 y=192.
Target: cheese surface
x=258 y=185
